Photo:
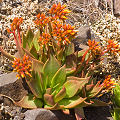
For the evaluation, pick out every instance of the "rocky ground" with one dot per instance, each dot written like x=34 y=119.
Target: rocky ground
x=82 y=17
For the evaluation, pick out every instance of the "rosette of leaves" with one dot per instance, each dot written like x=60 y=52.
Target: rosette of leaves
x=57 y=86
x=53 y=89
x=60 y=78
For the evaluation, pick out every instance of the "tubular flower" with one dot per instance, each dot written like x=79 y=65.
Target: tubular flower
x=94 y=48
x=22 y=67
x=15 y=24
x=113 y=47
x=108 y=82
x=44 y=38
x=63 y=33
x=59 y=11
x=41 y=20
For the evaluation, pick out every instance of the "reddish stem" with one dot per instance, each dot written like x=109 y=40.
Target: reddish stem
x=16 y=42
x=83 y=58
x=20 y=41
x=18 y=45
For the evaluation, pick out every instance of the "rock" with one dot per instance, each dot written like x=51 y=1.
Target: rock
x=40 y=114
x=7 y=78
x=83 y=35
x=43 y=114
x=12 y=87
x=117 y=7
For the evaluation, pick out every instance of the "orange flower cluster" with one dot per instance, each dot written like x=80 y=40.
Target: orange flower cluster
x=108 y=82
x=94 y=47
x=63 y=33
x=113 y=47
x=41 y=20
x=44 y=38
x=22 y=66
x=59 y=11
x=15 y=24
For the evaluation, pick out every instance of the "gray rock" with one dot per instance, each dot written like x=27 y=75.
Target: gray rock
x=117 y=7
x=83 y=35
x=40 y=114
x=7 y=78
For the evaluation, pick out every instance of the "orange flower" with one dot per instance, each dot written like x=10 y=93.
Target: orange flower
x=22 y=66
x=15 y=24
x=113 y=47
x=63 y=33
x=59 y=11
x=92 y=44
x=44 y=38
x=108 y=82
x=41 y=20
x=94 y=48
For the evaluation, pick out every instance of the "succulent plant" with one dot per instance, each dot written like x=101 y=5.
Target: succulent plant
x=58 y=77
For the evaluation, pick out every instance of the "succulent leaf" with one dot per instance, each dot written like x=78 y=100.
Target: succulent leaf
x=117 y=95
x=35 y=41
x=70 y=49
x=50 y=68
x=60 y=95
x=24 y=42
x=29 y=101
x=116 y=114
x=89 y=87
x=98 y=103
x=72 y=102
x=36 y=84
x=96 y=89
x=71 y=61
x=54 y=107
x=49 y=99
x=70 y=71
x=82 y=81
x=34 y=52
x=28 y=53
x=59 y=77
x=71 y=86
x=29 y=37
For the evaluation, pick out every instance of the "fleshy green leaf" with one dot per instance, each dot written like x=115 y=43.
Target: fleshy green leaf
x=81 y=53
x=34 y=52
x=35 y=41
x=59 y=77
x=71 y=60
x=29 y=37
x=37 y=65
x=60 y=95
x=82 y=81
x=70 y=71
x=117 y=95
x=70 y=49
x=72 y=86
x=24 y=42
x=72 y=102
x=30 y=102
x=116 y=114
x=55 y=107
x=35 y=84
x=50 y=68
x=49 y=99
x=96 y=89
x=98 y=103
